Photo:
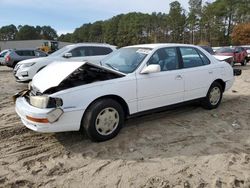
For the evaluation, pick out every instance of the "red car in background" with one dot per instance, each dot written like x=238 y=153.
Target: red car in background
x=239 y=54
x=248 y=52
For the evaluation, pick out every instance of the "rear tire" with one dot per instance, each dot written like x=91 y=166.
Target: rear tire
x=103 y=120
x=214 y=96
x=244 y=63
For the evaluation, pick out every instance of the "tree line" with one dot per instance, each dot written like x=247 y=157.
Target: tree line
x=216 y=24
x=204 y=23
x=27 y=32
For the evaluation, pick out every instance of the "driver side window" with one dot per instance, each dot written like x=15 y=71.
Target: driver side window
x=165 y=57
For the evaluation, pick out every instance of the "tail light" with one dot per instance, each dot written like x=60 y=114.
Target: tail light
x=7 y=58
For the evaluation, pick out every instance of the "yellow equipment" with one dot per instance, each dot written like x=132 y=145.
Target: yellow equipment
x=49 y=46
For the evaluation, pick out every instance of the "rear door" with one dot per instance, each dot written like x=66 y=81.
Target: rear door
x=197 y=71
x=96 y=54
x=39 y=53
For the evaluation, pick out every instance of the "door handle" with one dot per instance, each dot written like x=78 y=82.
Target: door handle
x=178 y=77
x=210 y=72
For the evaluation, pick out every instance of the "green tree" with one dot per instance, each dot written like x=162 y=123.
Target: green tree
x=27 y=32
x=48 y=33
x=65 y=37
x=177 y=22
x=8 y=32
x=82 y=34
x=131 y=29
x=96 y=32
x=194 y=21
x=111 y=29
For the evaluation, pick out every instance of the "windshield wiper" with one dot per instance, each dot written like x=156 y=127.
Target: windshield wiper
x=111 y=66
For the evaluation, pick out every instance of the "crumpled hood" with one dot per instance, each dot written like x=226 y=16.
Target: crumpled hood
x=53 y=74
x=36 y=60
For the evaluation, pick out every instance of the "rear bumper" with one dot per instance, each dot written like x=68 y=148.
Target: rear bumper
x=229 y=84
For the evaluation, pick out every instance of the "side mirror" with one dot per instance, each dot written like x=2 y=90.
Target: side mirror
x=236 y=51
x=67 y=55
x=151 y=69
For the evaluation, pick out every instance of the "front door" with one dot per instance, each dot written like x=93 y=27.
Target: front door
x=162 y=88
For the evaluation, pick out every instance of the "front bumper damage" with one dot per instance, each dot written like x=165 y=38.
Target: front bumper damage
x=34 y=118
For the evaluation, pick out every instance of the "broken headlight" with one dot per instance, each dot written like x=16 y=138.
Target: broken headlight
x=45 y=102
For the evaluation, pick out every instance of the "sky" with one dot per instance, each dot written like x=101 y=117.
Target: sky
x=66 y=15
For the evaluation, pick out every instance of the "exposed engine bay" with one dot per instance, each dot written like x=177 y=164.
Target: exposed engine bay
x=86 y=74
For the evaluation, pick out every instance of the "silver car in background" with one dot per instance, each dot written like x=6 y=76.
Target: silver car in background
x=14 y=56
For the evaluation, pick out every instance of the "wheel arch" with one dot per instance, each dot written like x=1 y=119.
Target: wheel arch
x=221 y=82
x=117 y=98
x=40 y=68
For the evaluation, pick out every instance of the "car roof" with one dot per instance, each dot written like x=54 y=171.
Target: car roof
x=24 y=49
x=91 y=44
x=160 y=45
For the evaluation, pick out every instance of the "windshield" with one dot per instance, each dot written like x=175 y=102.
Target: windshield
x=59 y=52
x=126 y=60
x=225 y=50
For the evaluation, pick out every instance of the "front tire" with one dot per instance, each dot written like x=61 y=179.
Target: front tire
x=214 y=96
x=103 y=120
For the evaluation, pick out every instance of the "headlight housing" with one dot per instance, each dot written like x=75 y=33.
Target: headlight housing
x=45 y=102
x=28 y=64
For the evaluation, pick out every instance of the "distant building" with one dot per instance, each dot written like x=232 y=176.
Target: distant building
x=22 y=44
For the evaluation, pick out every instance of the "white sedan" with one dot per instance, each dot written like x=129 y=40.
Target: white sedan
x=131 y=80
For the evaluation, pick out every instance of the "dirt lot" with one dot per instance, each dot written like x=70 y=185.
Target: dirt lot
x=184 y=147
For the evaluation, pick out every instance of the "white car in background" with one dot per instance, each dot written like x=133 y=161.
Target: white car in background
x=92 y=52
x=130 y=81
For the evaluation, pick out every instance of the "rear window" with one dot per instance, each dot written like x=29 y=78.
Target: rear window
x=25 y=53
x=225 y=50
x=193 y=58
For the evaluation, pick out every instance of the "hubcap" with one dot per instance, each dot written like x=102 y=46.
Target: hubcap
x=214 y=96
x=107 y=121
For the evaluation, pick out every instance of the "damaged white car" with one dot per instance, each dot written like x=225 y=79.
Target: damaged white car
x=130 y=81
